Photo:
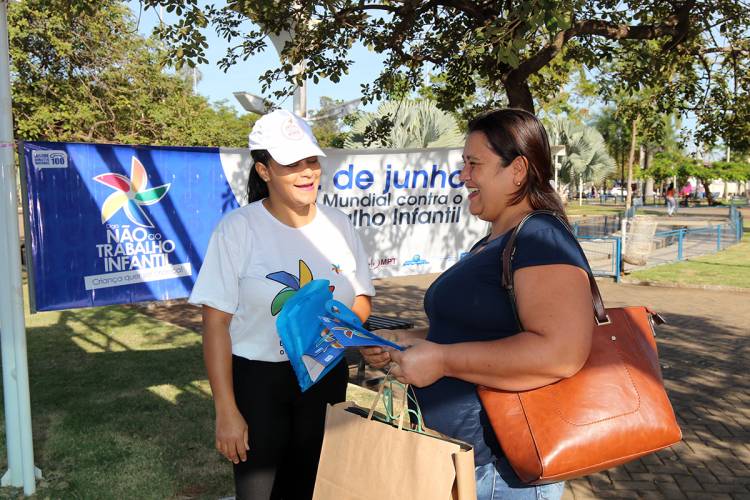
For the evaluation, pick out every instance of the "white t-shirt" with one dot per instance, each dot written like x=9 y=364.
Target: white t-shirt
x=254 y=262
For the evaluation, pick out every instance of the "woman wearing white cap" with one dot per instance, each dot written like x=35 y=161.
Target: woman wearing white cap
x=258 y=256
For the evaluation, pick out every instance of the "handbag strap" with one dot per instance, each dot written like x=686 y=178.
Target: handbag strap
x=507 y=278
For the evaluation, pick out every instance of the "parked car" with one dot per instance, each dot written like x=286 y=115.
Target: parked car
x=619 y=191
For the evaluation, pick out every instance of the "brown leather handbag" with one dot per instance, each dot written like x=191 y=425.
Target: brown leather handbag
x=614 y=410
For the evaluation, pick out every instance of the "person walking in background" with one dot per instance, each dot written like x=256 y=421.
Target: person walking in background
x=258 y=256
x=685 y=192
x=473 y=336
x=671 y=203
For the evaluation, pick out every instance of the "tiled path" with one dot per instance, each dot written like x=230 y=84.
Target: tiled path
x=705 y=357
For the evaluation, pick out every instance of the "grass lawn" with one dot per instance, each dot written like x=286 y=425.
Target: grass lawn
x=121 y=408
x=730 y=267
x=572 y=208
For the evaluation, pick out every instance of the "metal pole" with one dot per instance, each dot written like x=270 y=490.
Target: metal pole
x=300 y=93
x=740 y=227
x=557 y=187
x=300 y=100
x=618 y=258
x=12 y=329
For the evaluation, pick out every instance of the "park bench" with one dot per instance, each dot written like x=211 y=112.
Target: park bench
x=387 y=323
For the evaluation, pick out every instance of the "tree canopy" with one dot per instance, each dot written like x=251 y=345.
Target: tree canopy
x=517 y=50
x=81 y=72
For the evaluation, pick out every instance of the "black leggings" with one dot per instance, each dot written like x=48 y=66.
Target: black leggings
x=285 y=428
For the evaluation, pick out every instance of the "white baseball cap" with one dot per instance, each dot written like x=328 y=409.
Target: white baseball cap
x=286 y=136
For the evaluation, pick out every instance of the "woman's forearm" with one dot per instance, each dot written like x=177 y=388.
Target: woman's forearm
x=217 y=355
x=521 y=362
x=554 y=305
x=362 y=307
x=555 y=344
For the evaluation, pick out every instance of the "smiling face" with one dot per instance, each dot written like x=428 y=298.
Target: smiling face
x=490 y=183
x=294 y=186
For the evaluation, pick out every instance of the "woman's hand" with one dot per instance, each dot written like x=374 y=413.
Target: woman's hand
x=421 y=364
x=231 y=435
x=379 y=357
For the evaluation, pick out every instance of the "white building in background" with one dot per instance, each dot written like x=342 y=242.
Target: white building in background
x=733 y=188
x=718 y=187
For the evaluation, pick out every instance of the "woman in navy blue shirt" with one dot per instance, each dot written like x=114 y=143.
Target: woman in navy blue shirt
x=473 y=337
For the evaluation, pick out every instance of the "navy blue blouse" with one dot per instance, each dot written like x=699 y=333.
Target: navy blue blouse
x=468 y=303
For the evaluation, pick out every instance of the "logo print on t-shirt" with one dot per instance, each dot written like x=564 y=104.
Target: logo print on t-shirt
x=292 y=285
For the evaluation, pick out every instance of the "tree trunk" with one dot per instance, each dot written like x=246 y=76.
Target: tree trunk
x=631 y=160
x=648 y=190
x=707 y=189
x=580 y=190
x=519 y=94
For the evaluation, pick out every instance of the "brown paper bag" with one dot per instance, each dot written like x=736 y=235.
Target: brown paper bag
x=366 y=459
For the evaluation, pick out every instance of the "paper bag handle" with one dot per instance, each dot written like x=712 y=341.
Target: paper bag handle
x=387 y=397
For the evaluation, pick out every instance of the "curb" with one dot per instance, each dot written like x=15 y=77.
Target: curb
x=658 y=284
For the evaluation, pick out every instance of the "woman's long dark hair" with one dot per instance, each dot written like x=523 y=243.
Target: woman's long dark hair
x=257 y=189
x=513 y=133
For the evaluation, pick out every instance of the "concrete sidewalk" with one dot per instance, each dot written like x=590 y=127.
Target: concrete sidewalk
x=705 y=356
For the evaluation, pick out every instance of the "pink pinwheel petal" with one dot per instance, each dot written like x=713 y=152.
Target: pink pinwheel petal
x=115 y=181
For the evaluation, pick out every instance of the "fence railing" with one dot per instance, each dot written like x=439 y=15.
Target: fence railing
x=598 y=226
x=604 y=254
x=602 y=243
x=655 y=200
x=693 y=242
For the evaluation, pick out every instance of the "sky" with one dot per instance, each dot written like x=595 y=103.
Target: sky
x=217 y=85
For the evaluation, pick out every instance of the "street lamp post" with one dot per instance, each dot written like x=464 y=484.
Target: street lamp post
x=253 y=103
x=256 y=104
x=19 y=440
x=300 y=93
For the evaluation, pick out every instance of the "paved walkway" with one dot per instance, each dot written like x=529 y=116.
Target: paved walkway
x=705 y=357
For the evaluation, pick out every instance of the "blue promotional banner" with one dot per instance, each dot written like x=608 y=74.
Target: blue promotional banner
x=116 y=224
x=112 y=224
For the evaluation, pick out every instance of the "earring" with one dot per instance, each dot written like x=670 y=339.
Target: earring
x=518 y=183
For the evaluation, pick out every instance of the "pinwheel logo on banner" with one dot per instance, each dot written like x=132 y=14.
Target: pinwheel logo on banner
x=131 y=194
